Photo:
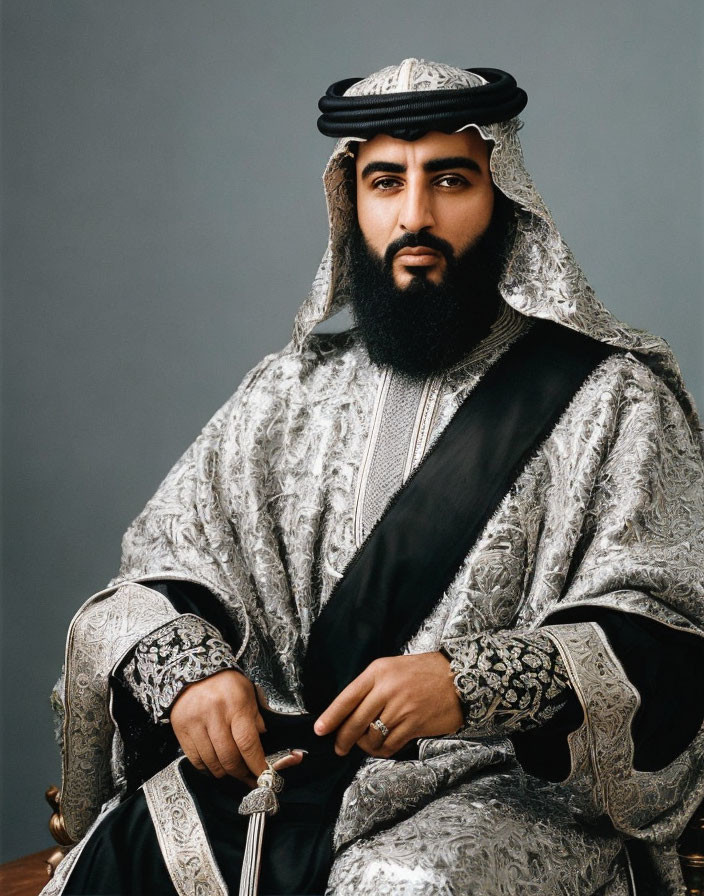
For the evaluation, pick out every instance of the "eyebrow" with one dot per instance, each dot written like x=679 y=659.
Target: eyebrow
x=431 y=166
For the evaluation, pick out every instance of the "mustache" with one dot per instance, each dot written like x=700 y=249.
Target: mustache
x=413 y=240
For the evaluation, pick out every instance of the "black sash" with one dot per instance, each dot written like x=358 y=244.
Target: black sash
x=389 y=587
x=414 y=552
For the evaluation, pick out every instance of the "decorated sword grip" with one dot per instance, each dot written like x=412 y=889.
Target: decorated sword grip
x=263 y=797
x=258 y=803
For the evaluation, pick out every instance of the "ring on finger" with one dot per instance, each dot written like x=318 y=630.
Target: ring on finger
x=379 y=726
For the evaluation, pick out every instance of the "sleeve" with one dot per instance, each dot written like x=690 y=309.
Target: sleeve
x=185 y=533
x=513 y=684
x=616 y=582
x=629 y=613
x=150 y=675
x=182 y=651
x=508 y=681
x=658 y=662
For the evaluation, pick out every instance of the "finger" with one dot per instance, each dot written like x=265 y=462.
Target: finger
x=227 y=752
x=250 y=746
x=191 y=752
x=260 y=724
x=358 y=723
x=202 y=742
x=295 y=757
x=376 y=735
x=345 y=703
x=397 y=738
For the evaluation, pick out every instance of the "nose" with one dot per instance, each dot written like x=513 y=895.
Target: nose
x=416 y=211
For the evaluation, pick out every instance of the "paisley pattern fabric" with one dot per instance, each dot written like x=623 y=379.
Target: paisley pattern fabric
x=410 y=76
x=99 y=636
x=182 y=837
x=185 y=650
x=499 y=834
x=608 y=512
x=508 y=682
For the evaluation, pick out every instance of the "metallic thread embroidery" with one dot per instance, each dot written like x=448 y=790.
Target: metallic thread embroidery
x=185 y=650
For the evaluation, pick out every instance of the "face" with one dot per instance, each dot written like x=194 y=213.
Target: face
x=439 y=186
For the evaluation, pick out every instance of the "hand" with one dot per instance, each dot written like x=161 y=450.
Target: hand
x=413 y=695
x=218 y=725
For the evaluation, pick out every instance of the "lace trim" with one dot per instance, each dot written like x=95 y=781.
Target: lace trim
x=603 y=778
x=507 y=682
x=101 y=633
x=184 y=650
x=182 y=838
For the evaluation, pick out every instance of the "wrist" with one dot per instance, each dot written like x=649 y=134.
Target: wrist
x=181 y=653
x=507 y=681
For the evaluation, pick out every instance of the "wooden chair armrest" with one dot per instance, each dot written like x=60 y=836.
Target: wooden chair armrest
x=690 y=849
x=57 y=830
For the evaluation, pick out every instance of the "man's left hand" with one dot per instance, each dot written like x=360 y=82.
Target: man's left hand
x=413 y=695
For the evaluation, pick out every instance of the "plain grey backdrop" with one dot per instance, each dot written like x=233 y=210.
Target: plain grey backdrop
x=163 y=219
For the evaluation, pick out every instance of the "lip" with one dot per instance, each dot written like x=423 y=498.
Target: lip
x=417 y=255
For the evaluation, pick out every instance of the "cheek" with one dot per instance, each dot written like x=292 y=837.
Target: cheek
x=470 y=221
x=376 y=222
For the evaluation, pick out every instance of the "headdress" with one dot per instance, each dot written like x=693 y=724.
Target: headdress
x=410 y=114
x=541 y=277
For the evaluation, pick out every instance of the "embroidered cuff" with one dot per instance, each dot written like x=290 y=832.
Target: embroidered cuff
x=506 y=681
x=181 y=652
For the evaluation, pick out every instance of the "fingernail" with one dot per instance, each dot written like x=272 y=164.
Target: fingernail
x=319 y=727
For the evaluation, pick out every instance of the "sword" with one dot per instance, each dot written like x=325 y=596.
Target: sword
x=258 y=803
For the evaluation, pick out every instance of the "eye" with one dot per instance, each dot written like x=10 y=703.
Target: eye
x=385 y=183
x=452 y=181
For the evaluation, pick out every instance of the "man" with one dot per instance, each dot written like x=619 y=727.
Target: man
x=455 y=554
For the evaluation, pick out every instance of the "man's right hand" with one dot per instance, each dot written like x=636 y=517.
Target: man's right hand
x=218 y=725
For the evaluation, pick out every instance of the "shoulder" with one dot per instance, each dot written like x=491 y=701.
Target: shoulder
x=322 y=356
x=325 y=366
x=627 y=371
x=632 y=378
x=624 y=393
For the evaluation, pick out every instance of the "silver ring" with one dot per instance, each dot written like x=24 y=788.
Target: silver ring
x=380 y=727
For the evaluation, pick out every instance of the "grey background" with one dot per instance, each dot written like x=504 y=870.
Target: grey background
x=163 y=218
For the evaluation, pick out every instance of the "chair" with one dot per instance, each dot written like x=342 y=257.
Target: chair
x=690 y=849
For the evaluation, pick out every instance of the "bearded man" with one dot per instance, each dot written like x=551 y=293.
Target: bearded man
x=439 y=575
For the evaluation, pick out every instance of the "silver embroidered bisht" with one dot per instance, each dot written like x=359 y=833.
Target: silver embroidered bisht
x=272 y=500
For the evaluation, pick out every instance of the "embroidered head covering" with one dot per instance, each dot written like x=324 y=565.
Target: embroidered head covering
x=541 y=277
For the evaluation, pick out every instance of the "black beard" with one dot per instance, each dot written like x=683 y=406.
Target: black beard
x=426 y=327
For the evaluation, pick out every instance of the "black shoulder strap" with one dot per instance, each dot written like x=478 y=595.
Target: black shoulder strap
x=414 y=552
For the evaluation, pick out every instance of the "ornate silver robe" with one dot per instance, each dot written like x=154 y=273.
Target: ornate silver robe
x=272 y=500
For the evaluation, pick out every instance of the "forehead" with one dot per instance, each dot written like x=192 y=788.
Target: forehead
x=431 y=146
